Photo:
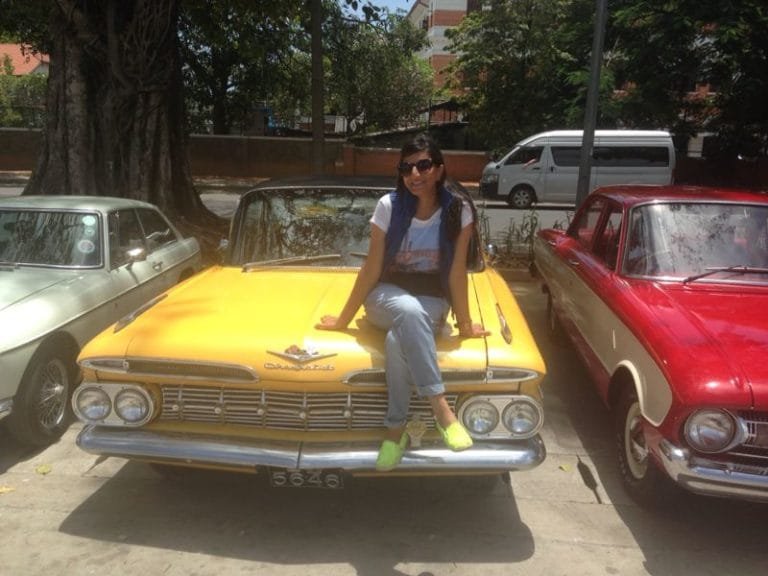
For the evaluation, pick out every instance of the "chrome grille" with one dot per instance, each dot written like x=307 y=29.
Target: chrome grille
x=272 y=409
x=752 y=455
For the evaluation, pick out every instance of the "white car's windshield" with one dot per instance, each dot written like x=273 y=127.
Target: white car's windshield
x=50 y=238
x=698 y=240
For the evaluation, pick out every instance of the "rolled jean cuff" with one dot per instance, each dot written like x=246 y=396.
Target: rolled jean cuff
x=430 y=390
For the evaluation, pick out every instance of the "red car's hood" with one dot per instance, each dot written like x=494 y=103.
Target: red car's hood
x=717 y=336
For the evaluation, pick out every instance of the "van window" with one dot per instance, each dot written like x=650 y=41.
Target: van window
x=525 y=155
x=566 y=155
x=631 y=156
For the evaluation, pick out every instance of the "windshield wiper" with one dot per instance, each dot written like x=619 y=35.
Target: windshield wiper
x=740 y=268
x=292 y=260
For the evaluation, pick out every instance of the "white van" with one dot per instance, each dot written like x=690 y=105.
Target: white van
x=545 y=167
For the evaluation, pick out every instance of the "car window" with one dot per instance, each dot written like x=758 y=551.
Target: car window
x=525 y=155
x=50 y=238
x=299 y=223
x=631 y=156
x=157 y=230
x=124 y=234
x=607 y=245
x=681 y=239
x=583 y=228
x=566 y=155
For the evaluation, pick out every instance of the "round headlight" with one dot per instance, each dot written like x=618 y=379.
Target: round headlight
x=92 y=404
x=522 y=418
x=710 y=430
x=131 y=405
x=480 y=417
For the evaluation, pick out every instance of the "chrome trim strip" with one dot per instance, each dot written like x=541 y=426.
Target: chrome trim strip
x=6 y=406
x=247 y=453
x=712 y=478
x=93 y=364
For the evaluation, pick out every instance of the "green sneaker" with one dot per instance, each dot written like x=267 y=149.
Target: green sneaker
x=391 y=453
x=455 y=436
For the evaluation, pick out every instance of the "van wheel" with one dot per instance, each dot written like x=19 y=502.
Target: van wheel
x=521 y=197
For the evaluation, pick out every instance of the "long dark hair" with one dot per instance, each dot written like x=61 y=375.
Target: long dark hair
x=419 y=143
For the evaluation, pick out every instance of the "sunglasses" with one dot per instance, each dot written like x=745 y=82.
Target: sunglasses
x=424 y=165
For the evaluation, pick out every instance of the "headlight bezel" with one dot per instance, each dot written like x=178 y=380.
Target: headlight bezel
x=81 y=411
x=112 y=391
x=704 y=417
x=502 y=403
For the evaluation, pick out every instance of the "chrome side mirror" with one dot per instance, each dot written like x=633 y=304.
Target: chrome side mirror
x=137 y=254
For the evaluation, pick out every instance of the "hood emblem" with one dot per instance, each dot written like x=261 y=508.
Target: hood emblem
x=299 y=355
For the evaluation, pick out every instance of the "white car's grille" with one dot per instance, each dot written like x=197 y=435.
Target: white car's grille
x=270 y=409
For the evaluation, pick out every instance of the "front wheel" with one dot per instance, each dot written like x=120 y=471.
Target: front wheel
x=521 y=197
x=642 y=479
x=41 y=406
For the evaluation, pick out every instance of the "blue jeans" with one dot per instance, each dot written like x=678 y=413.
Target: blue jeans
x=411 y=324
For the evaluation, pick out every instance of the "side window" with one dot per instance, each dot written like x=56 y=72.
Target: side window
x=607 y=246
x=583 y=228
x=157 y=231
x=124 y=235
x=526 y=155
x=566 y=155
x=631 y=156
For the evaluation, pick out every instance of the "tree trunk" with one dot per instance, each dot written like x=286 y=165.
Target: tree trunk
x=115 y=120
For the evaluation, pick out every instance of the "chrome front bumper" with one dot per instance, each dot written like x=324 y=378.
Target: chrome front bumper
x=713 y=478
x=353 y=457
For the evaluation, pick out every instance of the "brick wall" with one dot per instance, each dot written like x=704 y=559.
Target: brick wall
x=261 y=157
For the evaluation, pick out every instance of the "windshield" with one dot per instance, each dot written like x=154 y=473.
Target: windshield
x=306 y=227
x=49 y=238
x=694 y=239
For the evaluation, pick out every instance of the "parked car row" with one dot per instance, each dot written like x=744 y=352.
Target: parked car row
x=661 y=290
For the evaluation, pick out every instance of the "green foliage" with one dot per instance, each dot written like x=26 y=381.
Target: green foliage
x=373 y=75
x=22 y=98
x=517 y=62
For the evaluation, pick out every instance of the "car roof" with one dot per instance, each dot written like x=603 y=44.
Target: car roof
x=631 y=195
x=329 y=181
x=63 y=202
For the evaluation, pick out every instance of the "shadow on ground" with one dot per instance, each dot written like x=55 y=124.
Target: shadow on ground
x=239 y=516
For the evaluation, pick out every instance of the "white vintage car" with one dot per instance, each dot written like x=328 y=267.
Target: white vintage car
x=69 y=267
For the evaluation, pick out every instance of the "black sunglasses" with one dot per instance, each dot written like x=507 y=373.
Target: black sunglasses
x=424 y=165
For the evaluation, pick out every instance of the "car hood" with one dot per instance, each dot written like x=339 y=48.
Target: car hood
x=717 y=337
x=21 y=283
x=34 y=301
x=260 y=319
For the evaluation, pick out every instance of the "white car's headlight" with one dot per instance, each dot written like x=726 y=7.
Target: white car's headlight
x=92 y=404
x=490 y=178
x=132 y=405
x=480 y=417
x=522 y=417
x=710 y=430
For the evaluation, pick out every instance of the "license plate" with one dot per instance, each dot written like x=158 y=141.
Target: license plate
x=329 y=479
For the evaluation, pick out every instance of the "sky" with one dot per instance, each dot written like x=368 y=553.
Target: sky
x=394 y=4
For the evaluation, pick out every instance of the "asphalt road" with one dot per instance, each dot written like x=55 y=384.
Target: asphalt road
x=63 y=511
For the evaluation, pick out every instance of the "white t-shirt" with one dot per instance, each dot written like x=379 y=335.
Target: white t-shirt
x=420 y=249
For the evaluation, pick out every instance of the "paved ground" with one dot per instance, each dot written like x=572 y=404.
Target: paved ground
x=66 y=512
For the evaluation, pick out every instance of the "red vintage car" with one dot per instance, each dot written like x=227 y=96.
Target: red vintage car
x=664 y=293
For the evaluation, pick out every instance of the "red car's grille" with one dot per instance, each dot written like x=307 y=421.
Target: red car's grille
x=751 y=456
x=271 y=409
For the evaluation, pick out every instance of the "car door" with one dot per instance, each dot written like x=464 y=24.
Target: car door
x=128 y=268
x=165 y=252
x=562 y=173
x=592 y=260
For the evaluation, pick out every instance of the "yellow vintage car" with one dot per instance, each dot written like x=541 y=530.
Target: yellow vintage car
x=227 y=370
